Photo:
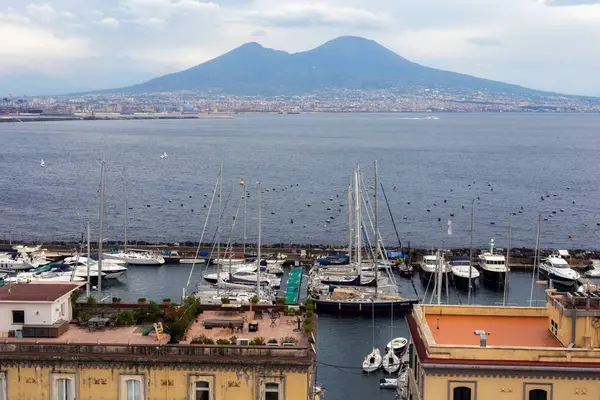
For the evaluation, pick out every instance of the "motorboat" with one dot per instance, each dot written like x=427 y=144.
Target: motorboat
x=372 y=361
x=14 y=262
x=593 y=270
x=136 y=257
x=391 y=362
x=493 y=266
x=461 y=268
x=68 y=270
x=42 y=163
x=163 y=156
x=388 y=383
x=22 y=258
x=398 y=345
x=111 y=269
x=243 y=277
x=235 y=296
x=558 y=270
x=192 y=261
x=429 y=267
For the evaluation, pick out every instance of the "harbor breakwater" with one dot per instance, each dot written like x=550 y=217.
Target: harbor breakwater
x=520 y=258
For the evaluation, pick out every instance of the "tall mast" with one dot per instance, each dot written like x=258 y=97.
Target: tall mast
x=219 y=225
x=471 y=252
x=125 y=214
x=439 y=276
x=100 y=237
x=376 y=228
x=504 y=301
x=535 y=260
x=350 y=225
x=245 y=201
x=87 y=291
x=259 y=237
x=357 y=221
x=219 y=218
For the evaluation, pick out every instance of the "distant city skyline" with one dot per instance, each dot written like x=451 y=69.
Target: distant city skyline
x=61 y=46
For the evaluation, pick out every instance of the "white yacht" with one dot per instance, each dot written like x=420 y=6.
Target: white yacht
x=111 y=269
x=461 y=267
x=429 y=266
x=493 y=266
x=244 y=277
x=25 y=277
x=136 y=257
x=22 y=258
x=558 y=270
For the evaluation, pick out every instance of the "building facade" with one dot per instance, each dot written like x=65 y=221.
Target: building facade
x=507 y=353
x=133 y=363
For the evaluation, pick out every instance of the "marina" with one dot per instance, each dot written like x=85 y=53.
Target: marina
x=364 y=255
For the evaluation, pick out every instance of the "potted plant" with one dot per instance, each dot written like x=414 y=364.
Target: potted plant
x=166 y=301
x=142 y=300
x=116 y=300
x=225 y=300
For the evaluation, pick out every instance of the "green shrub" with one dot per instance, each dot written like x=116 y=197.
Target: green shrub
x=225 y=300
x=116 y=299
x=308 y=329
x=91 y=301
x=280 y=300
x=308 y=321
x=203 y=339
x=233 y=339
x=257 y=341
x=141 y=300
x=166 y=300
x=125 y=317
x=84 y=317
x=272 y=341
x=309 y=314
x=223 y=341
x=254 y=299
x=310 y=302
x=289 y=339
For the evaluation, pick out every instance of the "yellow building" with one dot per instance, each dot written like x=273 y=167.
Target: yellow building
x=507 y=353
x=97 y=362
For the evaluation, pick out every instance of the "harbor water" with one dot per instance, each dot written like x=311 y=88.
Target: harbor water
x=505 y=163
x=343 y=340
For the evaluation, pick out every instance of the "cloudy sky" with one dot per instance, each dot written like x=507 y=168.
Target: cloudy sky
x=65 y=45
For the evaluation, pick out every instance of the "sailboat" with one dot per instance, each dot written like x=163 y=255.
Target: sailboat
x=163 y=155
x=391 y=362
x=372 y=361
x=348 y=288
x=42 y=163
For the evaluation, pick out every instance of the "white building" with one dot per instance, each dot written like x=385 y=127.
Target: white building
x=35 y=309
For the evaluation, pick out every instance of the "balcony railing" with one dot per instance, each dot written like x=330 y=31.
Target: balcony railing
x=17 y=350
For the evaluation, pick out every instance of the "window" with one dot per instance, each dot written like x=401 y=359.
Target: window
x=538 y=394
x=461 y=393
x=133 y=387
x=63 y=389
x=554 y=327
x=3 y=395
x=18 y=316
x=271 y=391
x=202 y=390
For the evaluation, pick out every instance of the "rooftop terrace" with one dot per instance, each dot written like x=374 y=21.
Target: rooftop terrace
x=510 y=330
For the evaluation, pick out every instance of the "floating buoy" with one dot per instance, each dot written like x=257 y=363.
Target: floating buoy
x=272 y=212
x=190 y=196
x=405 y=217
x=562 y=210
x=147 y=205
x=328 y=208
x=193 y=211
x=408 y=202
x=463 y=207
x=445 y=201
x=492 y=223
x=308 y=205
x=291 y=221
x=570 y=236
x=439 y=219
x=170 y=201
x=452 y=215
x=428 y=210
x=180 y=205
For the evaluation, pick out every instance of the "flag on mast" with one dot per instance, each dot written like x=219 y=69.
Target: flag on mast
x=449 y=227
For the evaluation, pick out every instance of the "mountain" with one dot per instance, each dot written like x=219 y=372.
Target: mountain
x=347 y=62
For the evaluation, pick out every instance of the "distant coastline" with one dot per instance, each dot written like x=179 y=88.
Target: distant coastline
x=231 y=115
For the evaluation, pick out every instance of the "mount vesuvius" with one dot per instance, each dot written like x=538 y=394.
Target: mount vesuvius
x=347 y=62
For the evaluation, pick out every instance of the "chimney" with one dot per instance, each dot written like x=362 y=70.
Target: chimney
x=482 y=337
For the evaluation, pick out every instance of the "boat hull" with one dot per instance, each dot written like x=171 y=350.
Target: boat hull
x=426 y=275
x=559 y=280
x=399 y=307
x=463 y=282
x=493 y=277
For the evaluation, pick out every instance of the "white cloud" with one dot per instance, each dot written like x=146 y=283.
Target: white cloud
x=318 y=14
x=37 y=48
x=46 y=13
x=109 y=22
x=11 y=16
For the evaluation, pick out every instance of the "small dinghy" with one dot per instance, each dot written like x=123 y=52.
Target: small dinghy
x=388 y=383
x=372 y=361
x=398 y=344
x=391 y=362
